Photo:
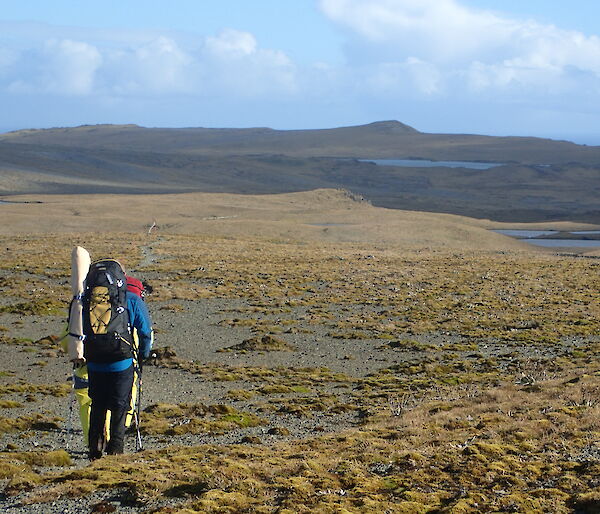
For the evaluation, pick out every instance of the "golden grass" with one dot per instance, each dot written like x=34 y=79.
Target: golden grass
x=517 y=297
x=503 y=448
x=449 y=429
x=195 y=419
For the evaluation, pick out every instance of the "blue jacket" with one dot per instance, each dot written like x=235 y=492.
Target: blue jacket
x=139 y=318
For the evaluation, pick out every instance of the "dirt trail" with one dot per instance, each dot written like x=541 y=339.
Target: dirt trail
x=149 y=257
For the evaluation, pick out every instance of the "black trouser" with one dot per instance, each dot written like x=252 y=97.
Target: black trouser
x=109 y=391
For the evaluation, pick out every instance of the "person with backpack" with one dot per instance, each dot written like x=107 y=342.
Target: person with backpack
x=80 y=373
x=109 y=314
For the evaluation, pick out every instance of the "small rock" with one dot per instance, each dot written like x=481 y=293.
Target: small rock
x=278 y=431
x=251 y=439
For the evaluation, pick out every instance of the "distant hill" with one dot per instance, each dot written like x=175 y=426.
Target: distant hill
x=541 y=180
x=390 y=139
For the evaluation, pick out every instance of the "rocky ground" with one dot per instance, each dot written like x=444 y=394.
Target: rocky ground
x=249 y=357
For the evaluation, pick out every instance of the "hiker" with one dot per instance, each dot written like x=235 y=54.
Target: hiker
x=80 y=375
x=136 y=287
x=110 y=312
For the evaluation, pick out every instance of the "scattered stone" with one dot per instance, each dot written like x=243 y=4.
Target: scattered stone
x=104 y=506
x=251 y=439
x=266 y=343
x=278 y=431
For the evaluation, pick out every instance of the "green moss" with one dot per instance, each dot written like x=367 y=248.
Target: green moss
x=410 y=345
x=57 y=390
x=38 y=307
x=242 y=419
x=10 y=469
x=579 y=354
x=301 y=389
x=471 y=441
x=275 y=389
x=32 y=422
x=39 y=458
x=9 y=404
x=195 y=419
x=240 y=394
x=24 y=481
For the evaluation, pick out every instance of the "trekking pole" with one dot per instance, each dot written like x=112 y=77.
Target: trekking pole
x=137 y=411
x=70 y=419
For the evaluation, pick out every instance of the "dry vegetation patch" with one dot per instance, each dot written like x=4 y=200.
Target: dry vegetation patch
x=266 y=343
x=485 y=399
x=504 y=448
x=195 y=419
x=529 y=298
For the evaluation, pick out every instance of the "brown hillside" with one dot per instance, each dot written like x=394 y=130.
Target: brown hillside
x=322 y=215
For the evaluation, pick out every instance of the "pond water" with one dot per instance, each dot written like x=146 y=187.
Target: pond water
x=525 y=234
x=570 y=243
x=422 y=163
x=14 y=201
x=529 y=236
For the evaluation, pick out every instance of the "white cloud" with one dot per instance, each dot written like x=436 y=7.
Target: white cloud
x=487 y=49
x=230 y=43
x=147 y=65
x=63 y=67
x=70 y=67
x=436 y=30
x=163 y=64
x=157 y=66
x=7 y=58
x=402 y=78
x=234 y=61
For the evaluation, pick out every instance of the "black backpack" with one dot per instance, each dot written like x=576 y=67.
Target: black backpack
x=105 y=317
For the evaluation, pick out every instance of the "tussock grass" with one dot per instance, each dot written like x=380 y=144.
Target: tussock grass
x=40 y=307
x=501 y=414
x=31 y=422
x=500 y=448
x=57 y=390
x=188 y=418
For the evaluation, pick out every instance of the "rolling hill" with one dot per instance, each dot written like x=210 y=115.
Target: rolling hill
x=541 y=180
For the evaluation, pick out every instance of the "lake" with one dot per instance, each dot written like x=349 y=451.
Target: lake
x=13 y=202
x=529 y=236
x=570 y=243
x=422 y=163
x=525 y=234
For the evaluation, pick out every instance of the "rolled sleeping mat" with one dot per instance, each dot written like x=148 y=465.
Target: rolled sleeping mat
x=80 y=265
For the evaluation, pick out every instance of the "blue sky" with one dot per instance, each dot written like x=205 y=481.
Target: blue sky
x=477 y=66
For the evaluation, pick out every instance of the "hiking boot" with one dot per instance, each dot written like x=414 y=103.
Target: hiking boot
x=94 y=455
x=114 y=449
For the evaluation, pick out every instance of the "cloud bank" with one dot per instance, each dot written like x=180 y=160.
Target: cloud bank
x=440 y=44
x=155 y=65
x=406 y=59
